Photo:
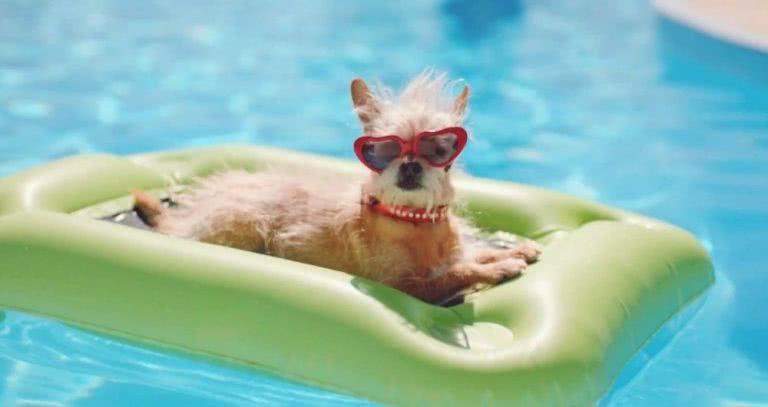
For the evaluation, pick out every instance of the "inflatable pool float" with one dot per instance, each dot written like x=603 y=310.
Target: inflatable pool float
x=559 y=335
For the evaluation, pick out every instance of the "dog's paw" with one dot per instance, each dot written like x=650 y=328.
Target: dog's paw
x=528 y=252
x=506 y=269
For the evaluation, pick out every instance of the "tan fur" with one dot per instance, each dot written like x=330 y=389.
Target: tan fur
x=460 y=106
x=312 y=219
x=151 y=207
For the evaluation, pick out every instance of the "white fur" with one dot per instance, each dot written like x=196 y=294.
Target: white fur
x=425 y=104
x=436 y=191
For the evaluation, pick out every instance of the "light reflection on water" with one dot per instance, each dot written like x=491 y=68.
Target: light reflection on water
x=49 y=362
x=587 y=97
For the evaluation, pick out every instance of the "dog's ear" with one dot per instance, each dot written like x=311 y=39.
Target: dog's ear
x=366 y=105
x=460 y=104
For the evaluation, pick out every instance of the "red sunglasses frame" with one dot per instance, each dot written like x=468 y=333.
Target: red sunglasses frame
x=412 y=147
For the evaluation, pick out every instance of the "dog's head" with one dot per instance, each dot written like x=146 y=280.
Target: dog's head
x=424 y=105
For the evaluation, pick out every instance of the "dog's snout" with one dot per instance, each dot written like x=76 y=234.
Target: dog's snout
x=411 y=169
x=409 y=176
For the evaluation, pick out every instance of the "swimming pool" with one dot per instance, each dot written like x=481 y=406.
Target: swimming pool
x=583 y=97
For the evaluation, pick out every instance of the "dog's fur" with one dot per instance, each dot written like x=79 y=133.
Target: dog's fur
x=310 y=218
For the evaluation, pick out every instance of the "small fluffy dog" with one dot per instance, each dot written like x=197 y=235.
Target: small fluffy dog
x=398 y=230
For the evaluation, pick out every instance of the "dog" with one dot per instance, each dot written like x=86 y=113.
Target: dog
x=397 y=229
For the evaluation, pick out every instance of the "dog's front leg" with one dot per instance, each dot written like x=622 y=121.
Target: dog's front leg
x=460 y=276
x=528 y=251
x=467 y=274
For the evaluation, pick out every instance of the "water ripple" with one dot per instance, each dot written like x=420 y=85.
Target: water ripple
x=55 y=364
x=588 y=97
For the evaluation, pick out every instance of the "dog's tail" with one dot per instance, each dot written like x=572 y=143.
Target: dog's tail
x=149 y=208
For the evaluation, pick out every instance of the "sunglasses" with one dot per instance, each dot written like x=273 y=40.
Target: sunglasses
x=439 y=148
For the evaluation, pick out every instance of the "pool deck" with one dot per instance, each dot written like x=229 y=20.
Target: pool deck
x=744 y=22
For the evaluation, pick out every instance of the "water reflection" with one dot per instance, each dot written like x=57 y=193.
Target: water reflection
x=52 y=364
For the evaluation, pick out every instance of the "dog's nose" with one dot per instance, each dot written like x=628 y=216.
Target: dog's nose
x=409 y=176
x=410 y=169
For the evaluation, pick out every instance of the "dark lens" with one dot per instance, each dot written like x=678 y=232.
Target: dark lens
x=379 y=154
x=438 y=149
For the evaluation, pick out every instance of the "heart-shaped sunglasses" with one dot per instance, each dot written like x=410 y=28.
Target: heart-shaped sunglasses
x=439 y=148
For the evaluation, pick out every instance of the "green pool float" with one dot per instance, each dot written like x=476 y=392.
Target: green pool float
x=559 y=335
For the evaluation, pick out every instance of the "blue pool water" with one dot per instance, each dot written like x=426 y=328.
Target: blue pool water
x=593 y=98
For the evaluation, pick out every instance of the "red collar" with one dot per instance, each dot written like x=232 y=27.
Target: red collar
x=407 y=213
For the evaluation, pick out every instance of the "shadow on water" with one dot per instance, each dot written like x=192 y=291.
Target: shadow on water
x=475 y=20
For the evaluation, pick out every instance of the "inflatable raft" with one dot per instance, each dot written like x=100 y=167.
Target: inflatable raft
x=559 y=335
